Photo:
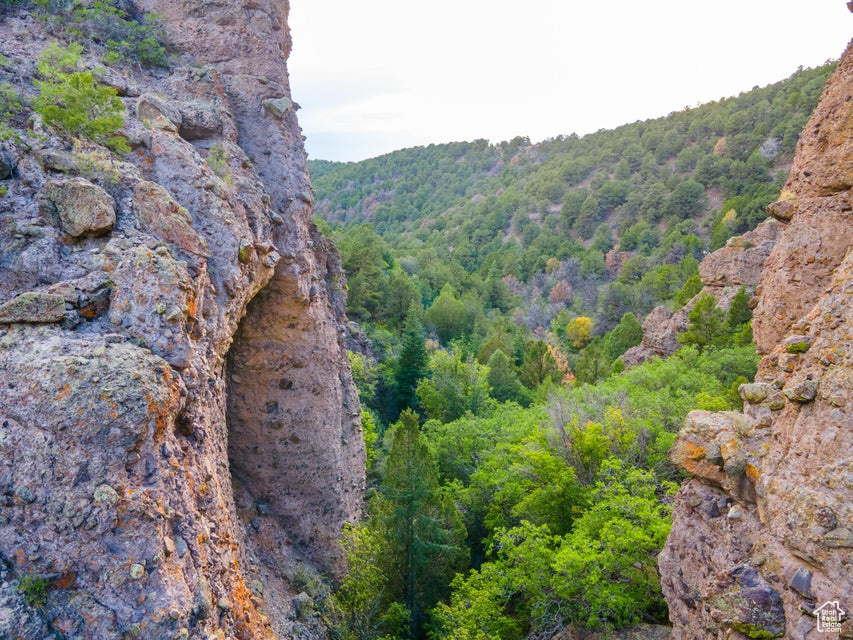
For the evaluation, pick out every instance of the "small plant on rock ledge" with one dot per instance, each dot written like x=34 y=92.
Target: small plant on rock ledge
x=74 y=103
x=217 y=160
x=34 y=590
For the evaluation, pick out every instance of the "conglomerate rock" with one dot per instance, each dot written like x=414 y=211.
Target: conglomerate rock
x=179 y=433
x=762 y=534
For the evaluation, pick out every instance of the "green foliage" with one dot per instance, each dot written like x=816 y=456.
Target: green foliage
x=593 y=363
x=605 y=572
x=626 y=334
x=421 y=528
x=707 y=323
x=412 y=365
x=105 y=22
x=692 y=286
x=448 y=315
x=10 y=103
x=489 y=219
x=526 y=481
x=600 y=575
x=739 y=311
x=73 y=102
x=371 y=439
x=364 y=259
x=564 y=501
x=454 y=387
x=34 y=589
x=539 y=365
x=503 y=379
x=362 y=609
x=96 y=164
x=217 y=159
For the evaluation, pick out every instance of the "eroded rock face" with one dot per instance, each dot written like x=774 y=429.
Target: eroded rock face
x=761 y=534
x=180 y=433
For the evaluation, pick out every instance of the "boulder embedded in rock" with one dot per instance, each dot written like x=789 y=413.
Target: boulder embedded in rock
x=158 y=112
x=278 y=106
x=33 y=307
x=84 y=209
x=166 y=219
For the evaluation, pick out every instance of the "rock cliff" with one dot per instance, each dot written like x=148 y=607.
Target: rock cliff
x=180 y=440
x=738 y=264
x=762 y=533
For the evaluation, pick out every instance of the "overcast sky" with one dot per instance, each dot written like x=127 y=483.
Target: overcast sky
x=373 y=76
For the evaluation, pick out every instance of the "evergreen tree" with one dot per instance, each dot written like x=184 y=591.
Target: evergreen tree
x=707 y=323
x=503 y=379
x=538 y=365
x=593 y=363
x=422 y=530
x=739 y=311
x=398 y=297
x=692 y=286
x=624 y=335
x=412 y=363
x=363 y=257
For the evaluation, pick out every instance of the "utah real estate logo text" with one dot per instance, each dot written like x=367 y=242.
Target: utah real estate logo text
x=829 y=616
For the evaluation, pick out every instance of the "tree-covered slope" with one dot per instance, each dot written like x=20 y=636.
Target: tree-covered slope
x=499 y=285
x=533 y=226
x=478 y=201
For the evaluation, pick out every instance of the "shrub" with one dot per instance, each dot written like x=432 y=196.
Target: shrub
x=124 y=37
x=34 y=590
x=73 y=102
x=10 y=102
x=106 y=23
x=217 y=159
x=95 y=165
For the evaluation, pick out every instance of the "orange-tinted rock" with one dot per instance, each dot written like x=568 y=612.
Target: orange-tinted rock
x=794 y=501
x=161 y=216
x=188 y=439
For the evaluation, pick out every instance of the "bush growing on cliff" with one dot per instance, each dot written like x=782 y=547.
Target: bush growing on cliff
x=74 y=103
x=10 y=102
x=106 y=23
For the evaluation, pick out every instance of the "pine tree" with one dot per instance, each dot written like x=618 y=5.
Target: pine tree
x=422 y=531
x=593 y=363
x=504 y=380
x=538 y=365
x=412 y=365
x=626 y=334
x=707 y=323
x=739 y=311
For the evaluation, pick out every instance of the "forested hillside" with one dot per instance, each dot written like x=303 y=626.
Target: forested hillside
x=543 y=218
x=520 y=479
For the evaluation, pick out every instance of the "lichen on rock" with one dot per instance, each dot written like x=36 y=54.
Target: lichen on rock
x=128 y=450
x=786 y=470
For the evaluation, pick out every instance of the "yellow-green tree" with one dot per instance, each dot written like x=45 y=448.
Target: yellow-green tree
x=579 y=331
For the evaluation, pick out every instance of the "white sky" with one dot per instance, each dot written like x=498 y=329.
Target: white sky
x=377 y=75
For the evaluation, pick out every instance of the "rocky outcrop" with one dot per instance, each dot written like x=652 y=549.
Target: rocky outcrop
x=180 y=440
x=762 y=533
x=739 y=264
